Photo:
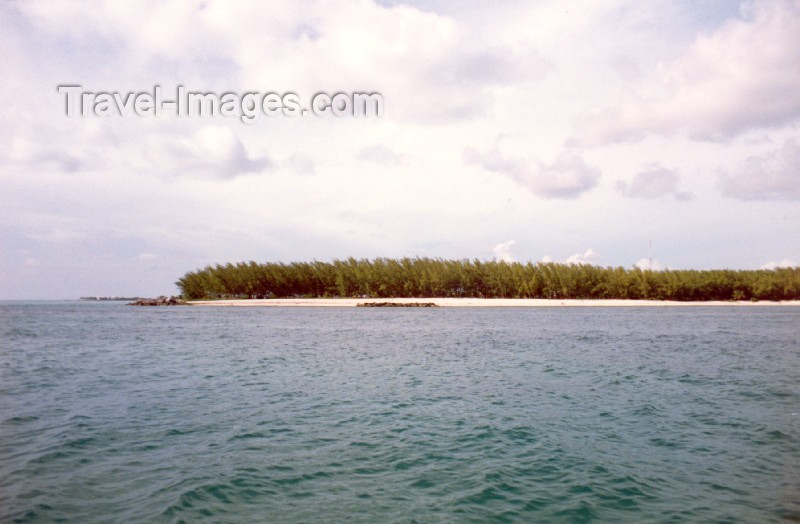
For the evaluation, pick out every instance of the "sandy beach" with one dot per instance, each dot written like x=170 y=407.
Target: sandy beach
x=479 y=302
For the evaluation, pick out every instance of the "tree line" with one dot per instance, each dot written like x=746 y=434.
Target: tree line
x=436 y=277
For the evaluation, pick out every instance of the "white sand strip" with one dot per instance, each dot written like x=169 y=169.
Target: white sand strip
x=481 y=302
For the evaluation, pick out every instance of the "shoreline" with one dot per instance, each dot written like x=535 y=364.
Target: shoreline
x=480 y=302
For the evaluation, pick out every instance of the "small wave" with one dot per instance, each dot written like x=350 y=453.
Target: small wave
x=423 y=483
x=16 y=333
x=646 y=410
x=582 y=511
x=362 y=444
x=248 y=436
x=203 y=501
x=727 y=489
x=81 y=443
x=177 y=432
x=20 y=420
x=484 y=496
x=279 y=467
x=52 y=456
x=520 y=434
x=664 y=443
x=40 y=513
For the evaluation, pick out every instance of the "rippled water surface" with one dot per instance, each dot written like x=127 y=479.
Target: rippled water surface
x=111 y=413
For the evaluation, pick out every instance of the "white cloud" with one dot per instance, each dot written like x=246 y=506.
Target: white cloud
x=59 y=236
x=502 y=251
x=300 y=164
x=740 y=77
x=587 y=257
x=211 y=152
x=654 y=183
x=380 y=154
x=494 y=66
x=568 y=177
x=786 y=262
x=33 y=155
x=772 y=176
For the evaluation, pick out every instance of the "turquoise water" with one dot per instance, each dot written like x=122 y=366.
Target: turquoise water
x=111 y=413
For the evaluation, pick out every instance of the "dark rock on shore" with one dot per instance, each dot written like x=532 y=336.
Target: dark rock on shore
x=397 y=304
x=160 y=301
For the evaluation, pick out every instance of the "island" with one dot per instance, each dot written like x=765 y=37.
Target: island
x=437 y=280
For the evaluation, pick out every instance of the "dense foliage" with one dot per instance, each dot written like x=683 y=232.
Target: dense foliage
x=427 y=277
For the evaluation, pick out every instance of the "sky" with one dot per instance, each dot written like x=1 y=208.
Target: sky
x=614 y=133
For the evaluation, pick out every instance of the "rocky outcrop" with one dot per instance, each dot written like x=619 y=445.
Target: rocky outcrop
x=160 y=301
x=397 y=304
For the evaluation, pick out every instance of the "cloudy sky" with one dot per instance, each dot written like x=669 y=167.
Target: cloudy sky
x=565 y=131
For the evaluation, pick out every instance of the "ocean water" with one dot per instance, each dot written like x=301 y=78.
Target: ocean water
x=111 y=413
